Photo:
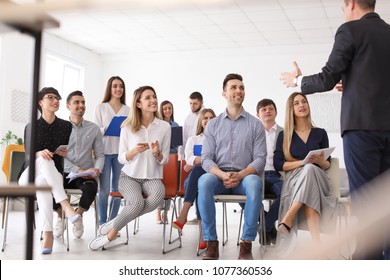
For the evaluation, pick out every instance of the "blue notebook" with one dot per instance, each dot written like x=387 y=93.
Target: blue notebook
x=197 y=150
x=114 y=129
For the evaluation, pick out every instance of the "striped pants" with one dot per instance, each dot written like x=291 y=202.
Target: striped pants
x=134 y=191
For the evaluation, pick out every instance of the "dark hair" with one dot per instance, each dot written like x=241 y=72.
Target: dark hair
x=196 y=95
x=165 y=102
x=74 y=93
x=363 y=4
x=43 y=92
x=265 y=102
x=107 y=93
x=231 y=77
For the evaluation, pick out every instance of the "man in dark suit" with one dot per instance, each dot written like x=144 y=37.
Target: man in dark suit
x=361 y=59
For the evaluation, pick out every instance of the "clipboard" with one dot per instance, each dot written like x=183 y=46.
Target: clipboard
x=327 y=152
x=114 y=128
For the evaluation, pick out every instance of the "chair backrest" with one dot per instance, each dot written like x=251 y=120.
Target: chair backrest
x=13 y=161
x=334 y=175
x=171 y=175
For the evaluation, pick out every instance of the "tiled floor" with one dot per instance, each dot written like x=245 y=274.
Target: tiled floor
x=145 y=245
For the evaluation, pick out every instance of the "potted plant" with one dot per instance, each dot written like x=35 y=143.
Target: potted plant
x=11 y=138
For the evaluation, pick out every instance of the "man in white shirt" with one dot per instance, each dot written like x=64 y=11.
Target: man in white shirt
x=85 y=153
x=189 y=128
x=266 y=111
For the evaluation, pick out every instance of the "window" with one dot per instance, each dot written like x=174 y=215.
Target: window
x=64 y=75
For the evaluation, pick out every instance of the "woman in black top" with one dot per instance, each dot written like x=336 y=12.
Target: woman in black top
x=51 y=133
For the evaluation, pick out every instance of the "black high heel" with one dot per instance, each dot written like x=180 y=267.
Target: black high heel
x=282 y=227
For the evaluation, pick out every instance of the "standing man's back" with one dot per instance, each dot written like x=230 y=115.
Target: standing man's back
x=360 y=58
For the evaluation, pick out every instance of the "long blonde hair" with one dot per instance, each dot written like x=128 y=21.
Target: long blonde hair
x=289 y=124
x=199 y=127
x=135 y=116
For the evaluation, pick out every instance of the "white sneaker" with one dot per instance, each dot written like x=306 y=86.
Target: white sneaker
x=78 y=227
x=106 y=227
x=59 y=228
x=98 y=243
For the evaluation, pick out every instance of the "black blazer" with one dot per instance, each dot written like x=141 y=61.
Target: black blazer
x=361 y=58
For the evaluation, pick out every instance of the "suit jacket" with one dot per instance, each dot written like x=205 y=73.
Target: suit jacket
x=361 y=58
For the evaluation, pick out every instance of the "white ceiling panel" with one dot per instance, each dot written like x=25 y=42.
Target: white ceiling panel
x=164 y=26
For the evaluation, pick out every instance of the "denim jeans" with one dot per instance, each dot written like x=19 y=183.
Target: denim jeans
x=273 y=184
x=191 y=187
x=210 y=185
x=109 y=177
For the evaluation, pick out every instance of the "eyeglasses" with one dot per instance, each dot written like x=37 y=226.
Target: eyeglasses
x=52 y=97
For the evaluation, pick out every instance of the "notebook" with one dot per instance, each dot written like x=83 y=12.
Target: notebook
x=114 y=129
x=176 y=136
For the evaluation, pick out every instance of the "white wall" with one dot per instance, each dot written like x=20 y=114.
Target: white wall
x=174 y=76
x=16 y=72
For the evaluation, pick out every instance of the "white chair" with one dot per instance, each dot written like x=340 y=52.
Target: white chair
x=228 y=198
x=74 y=196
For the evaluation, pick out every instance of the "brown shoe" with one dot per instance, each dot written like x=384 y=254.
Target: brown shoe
x=212 y=252
x=245 y=251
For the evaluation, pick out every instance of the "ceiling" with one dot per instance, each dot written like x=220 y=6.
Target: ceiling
x=174 y=26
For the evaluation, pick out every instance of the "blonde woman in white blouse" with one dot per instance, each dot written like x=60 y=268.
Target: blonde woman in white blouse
x=143 y=149
x=113 y=104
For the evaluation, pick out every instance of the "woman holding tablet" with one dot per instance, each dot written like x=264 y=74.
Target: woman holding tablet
x=52 y=135
x=143 y=150
x=306 y=193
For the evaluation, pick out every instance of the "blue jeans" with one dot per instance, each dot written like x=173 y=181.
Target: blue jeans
x=111 y=171
x=210 y=185
x=191 y=187
x=273 y=185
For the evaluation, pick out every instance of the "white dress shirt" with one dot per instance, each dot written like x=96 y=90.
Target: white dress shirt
x=102 y=117
x=189 y=127
x=144 y=165
x=189 y=151
x=270 y=138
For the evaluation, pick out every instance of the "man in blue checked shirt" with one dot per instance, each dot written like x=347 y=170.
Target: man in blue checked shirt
x=234 y=152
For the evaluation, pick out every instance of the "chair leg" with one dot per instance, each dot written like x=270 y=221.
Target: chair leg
x=262 y=237
x=4 y=207
x=5 y=222
x=96 y=216
x=136 y=226
x=164 y=250
x=225 y=232
x=239 y=227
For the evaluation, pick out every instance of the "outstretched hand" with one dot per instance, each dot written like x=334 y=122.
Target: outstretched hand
x=287 y=78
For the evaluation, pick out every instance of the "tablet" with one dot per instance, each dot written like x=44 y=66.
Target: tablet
x=327 y=152
x=61 y=148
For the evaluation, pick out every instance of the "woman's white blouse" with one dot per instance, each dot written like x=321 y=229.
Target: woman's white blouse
x=102 y=117
x=144 y=165
x=189 y=150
